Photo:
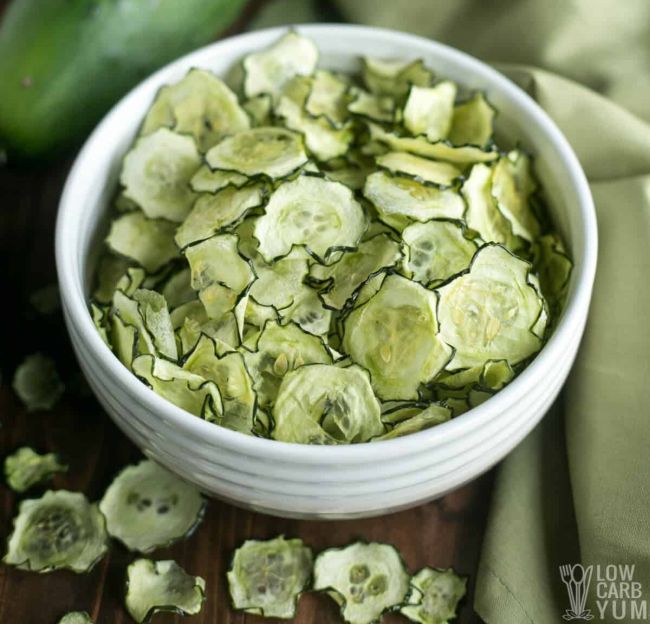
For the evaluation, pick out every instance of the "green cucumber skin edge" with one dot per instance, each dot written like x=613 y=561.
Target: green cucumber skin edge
x=63 y=63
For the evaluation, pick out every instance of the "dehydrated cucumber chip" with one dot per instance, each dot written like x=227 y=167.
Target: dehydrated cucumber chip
x=201 y=105
x=76 y=617
x=147 y=507
x=25 y=468
x=207 y=181
x=434 y=597
x=59 y=530
x=421 y=169
x=472 y=122
x=320 y=214
x=327 y=97
x=267 y=577
x=155 y=586
x=394 y=335
x=490 y=312
x=353 y=269
x=281 y=349
x=149 y=242
x=269 y=70
x=436 y=250
x=394 y=77
x=157 y=172
x=426 y=418
x=379 y=108
x=366 y=580
x=400 y=200
x=37 y=383
x=269 y=151
x=213 y=213
x=553 y=266
x=156 y=319
x=326 y=404
x=429 y=110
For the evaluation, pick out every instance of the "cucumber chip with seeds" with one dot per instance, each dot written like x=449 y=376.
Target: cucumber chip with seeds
x=271 y=152
x=434 y=597
x=60 y=530
x=207 y=181
x=320 y=214
x=147 y=507
x=366 y=580
x=157 y=586
x=267 y=577
x=37 y=383
x=421 y=169
x=156 y=174
x=489 y=312
x=26 y=468
x=429 y=110
x=395 y=336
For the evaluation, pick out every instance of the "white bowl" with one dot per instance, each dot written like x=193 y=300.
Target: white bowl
x=321 y=481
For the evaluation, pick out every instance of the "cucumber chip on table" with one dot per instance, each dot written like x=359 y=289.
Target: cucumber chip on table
x=147 y=507
x=37 y=383
x=25 y=468
x=155 y=586
x=60 y=530
x=366 y=580
x=267 y=577
x=289 y=251
x=76 y=617
x=434 y=597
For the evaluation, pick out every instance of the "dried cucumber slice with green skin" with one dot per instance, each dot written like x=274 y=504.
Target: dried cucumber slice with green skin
x=279 y=283
x=156 y=174
x=207 y=181
x=156 y=586
x=354 y=268
x=213 y=213
x=512 y=186
x=271 y=152
x=60 y=530
x=483 y=214
x=267 y=577
x=155 y=315
x=554 y=266
x=472 y=122
x=127 y=310
x=228 y=371
x=281 y=349
x=394 y=335
x=436 y=250
x=124 y=339
x=394 y=77
x=110 y=269
x=322 y=140
x=435 y=596
x=100 y=320
x=327 y=97
x=489 y=312
x=429 y=110
x=147 y=507
x=493 y=375
x=26 y=468
x=37 y=383
x=149 y=242
x=325 y=404
x=371 y=106
x=190 y=392
x=421 y=169
x=440 y=150
x=401 y=200
x=429 y=417
x=201 y=105
x=76 y=617
x=310 y=211
x=217 y=261
x=366 y=580
x=269 y=70
x=259 y=109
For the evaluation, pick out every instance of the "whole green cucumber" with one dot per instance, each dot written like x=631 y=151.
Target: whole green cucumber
x=63 y=63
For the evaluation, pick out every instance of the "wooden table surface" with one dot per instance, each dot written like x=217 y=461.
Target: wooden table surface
x=443 y=533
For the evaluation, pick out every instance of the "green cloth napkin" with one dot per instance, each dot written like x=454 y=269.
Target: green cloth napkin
x=578 y=488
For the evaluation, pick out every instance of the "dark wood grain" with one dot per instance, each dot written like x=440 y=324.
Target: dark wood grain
x=444 y=533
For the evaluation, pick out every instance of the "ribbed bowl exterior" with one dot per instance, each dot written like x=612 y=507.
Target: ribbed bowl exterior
x=326 y=482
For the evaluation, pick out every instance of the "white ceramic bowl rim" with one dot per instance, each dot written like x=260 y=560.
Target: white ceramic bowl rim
x=74 y=300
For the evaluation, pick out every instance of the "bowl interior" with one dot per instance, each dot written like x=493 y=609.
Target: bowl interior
x=93 y=179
